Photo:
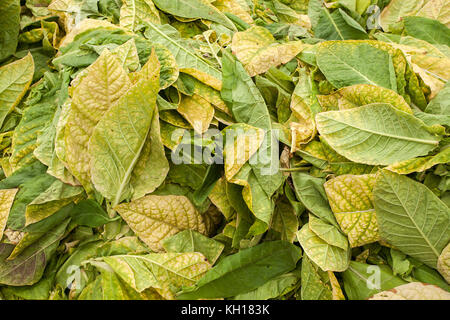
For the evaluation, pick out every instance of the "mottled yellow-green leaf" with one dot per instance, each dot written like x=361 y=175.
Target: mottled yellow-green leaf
x=154 y=218
x=127 y=54
x=443 y=264
x=258 y=51
x=219 y=198
x=56 y=196
x=413 y=291
x=437 y=10
x=197 y=111
x=242 y=142
x=171 y=135
x=364 y=94
x=434 y=71
x=15 y=79
x=211 y=95
x=314 y=284
x=326 y=256
x=327 y=232
x=351 y=201
x=169 y=68
x=398 y=9
x=335 y=287
x=136 y=12
x=134 y=270
x=103 y=84
x=120 y=141
x=188 y=61
x=6 y=201
x=235 y=7
x=152 y=166
x=420 y=164
x=176 y=270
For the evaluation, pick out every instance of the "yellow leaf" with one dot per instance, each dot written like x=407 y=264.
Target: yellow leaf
x=127 y=54
x=350 y=199
x=420 y=164
x=154 y=218
x=197 y=111
x=335 y=287
x=242 y=142
x=15 y=79
x=413 y=291
x=136 y=12
x=361 y=95
x=6 y=201
x=437 y=10
x=234 y=7
x=258 y=51
x=443 y=265
x=103 y=84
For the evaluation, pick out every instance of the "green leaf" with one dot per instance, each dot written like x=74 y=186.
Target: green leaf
x=360 y=95
x=261 y=178
x=184 y=54
x=440 y=105
x=361 y=281
x=166 y=272
x=28 y=267
x=120 y=137
x=192 y=241
x=10 y=27
x=376 y=134
x=15 y=79
x=327 y=257
x=272 y=289
x=314 y=284
x=342 y=64
x=257 y=265
x=338 y=26
x=194 y=9
x=89 y=213
x=310 y=192
x=426 y=29
x=411 y=217
x=328 y=233
x=56 y=196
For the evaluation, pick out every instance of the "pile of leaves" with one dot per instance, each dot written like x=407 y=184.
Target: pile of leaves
x=133 y=135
